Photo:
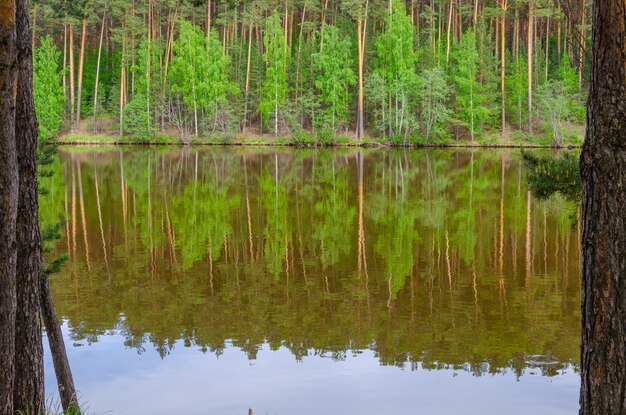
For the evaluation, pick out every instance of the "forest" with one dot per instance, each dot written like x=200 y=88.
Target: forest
x=414 y=72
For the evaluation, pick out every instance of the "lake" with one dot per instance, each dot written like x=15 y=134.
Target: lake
x=334 y=281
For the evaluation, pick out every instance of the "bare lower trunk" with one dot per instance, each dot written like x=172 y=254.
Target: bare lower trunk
x=81 y=63
x=530 y=67
x=95 y=96
x=603 y=172
x=28 y=392
x=8 y=201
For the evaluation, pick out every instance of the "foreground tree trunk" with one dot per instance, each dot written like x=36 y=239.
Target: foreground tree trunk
x=28 y=389
x=8 y=201
x=603 y=171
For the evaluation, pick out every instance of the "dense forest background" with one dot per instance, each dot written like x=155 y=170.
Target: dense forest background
x=406 y=72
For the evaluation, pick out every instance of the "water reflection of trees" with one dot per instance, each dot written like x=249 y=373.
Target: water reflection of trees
x=433 y=257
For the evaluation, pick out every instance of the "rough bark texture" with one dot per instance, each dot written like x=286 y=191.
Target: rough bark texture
x=28 y=393
x=603 y=170
x=8 y=202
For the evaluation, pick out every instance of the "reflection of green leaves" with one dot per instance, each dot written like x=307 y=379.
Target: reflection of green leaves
x=550 y=175
x=201 y=216
x=335 y=218
x=276 y=232
x=428 y=291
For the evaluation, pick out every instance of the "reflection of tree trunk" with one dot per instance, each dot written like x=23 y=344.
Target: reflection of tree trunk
x=501 y=252
x=249 y=217
x=152 y=268
x=448 y=260
x=124 y=199
x=67 y=222
x=82 y=213
x=528 y=240
x=74 y=226
x=104 y=244
x=545 y=241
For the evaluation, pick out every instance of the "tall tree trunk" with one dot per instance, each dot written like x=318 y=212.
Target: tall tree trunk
x=208 y=19
x=28 y=392
x=503 y=68
x=81 y=64
x=547 y=47
x=448 y=31
x=362 y=33
x=558 y=31
x=581 y=46
x=65 y=70
x=530 y=67
x=95 y=95
x=603 y=172
x=247 y=92
x=8 y=198
x=72 y=80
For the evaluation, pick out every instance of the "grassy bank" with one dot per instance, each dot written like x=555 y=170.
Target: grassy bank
x=494 y=140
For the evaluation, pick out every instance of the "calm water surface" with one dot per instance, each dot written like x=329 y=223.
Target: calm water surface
x=211 y=281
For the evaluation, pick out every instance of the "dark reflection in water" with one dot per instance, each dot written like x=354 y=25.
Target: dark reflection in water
x=425 y=259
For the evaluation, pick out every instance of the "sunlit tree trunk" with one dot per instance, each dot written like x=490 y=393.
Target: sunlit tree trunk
x=581 y=45
x=530 y=67
x=72 y=80
x=81 y=64
x=504 y=6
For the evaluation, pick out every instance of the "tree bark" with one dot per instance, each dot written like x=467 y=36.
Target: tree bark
x=72 y=82
x=8 y=200
x=81 y=64
x=530 y=67
x=95 y=95
x=28 y=392
x=504 y=6
x=603 y=172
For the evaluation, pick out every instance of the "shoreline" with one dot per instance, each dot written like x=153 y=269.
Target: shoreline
x=267 y=143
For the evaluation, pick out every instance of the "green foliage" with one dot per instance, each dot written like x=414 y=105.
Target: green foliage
x=189 y=80
x=576 y=103
x=554 y=102
x=396 y=65
x=200 y=74
x=48 y=89
x=517 y=91
x=434 y=93
x=276 y=57
x=137 y=123
x=334 y=74
x=377 y=100
x=470 y=97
